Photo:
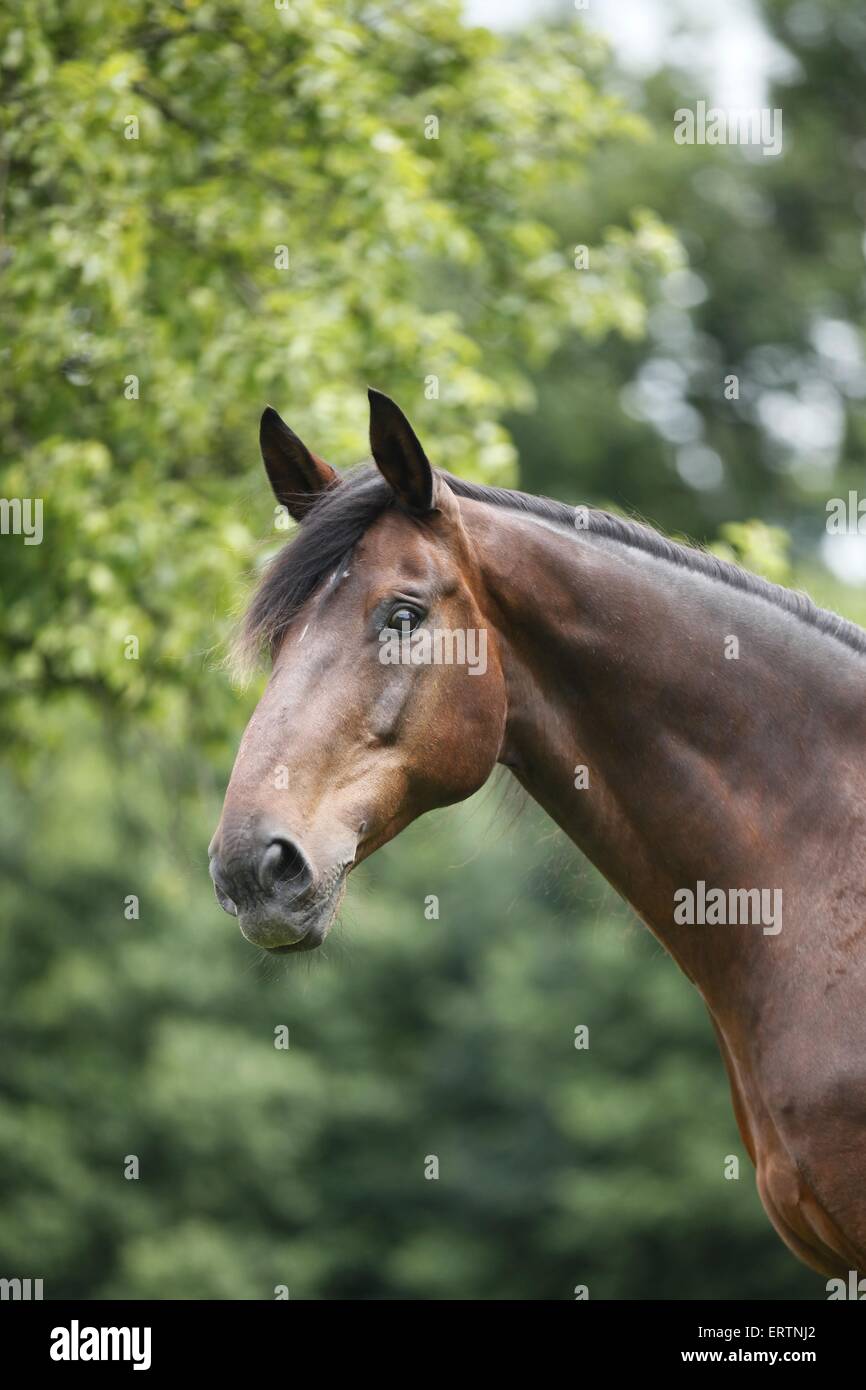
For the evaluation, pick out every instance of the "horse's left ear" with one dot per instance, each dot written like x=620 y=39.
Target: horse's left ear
x=297 y=476
x=399 y=456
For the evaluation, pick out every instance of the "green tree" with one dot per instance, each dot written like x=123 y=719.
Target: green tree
x=210 y=206
x=772 y=295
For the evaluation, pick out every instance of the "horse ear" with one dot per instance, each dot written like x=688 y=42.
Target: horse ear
x=297 y=476
x=400 y=458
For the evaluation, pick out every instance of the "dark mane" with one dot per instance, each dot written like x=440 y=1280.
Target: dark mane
x=326 y=537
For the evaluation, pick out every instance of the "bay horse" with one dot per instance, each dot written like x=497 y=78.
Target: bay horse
x=691 y=727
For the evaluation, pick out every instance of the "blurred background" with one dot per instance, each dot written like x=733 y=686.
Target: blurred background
x=210 y=206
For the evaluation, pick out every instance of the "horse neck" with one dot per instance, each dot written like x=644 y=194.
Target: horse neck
x=701 y=765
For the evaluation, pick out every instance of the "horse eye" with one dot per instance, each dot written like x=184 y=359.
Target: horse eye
x=403 y=618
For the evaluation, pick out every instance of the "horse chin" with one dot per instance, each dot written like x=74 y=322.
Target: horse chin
x=289 y=934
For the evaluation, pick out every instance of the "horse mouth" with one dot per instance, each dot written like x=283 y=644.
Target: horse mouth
x=310 y=942
x=292 y=934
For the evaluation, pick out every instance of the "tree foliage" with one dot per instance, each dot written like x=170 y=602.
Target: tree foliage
x=211 y=206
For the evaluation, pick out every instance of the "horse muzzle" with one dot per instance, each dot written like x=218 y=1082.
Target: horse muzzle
x=269 y=884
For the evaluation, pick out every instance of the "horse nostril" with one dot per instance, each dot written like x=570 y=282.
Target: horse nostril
x=285 y=864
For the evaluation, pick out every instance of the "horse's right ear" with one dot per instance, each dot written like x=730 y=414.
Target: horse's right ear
x=297 y=476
